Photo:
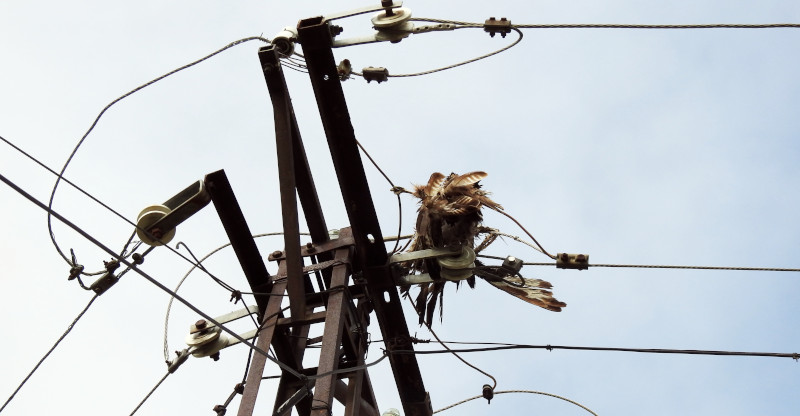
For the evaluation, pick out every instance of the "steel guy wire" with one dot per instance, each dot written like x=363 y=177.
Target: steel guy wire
x=795 y=356
x=112 y=211
x=494 y=380
x=469 y=61
x=198 y=265
x=90 y=196
x=118 y=99
x=624 y=26
x=399 y=201
x=144 y=274
x=36 y=367
x=518 y=391
x=151 y=392
x=652 y=266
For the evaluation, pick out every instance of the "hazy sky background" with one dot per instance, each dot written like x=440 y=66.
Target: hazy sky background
x=639 y=147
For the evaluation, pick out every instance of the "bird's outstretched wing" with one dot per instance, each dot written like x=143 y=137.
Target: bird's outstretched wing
x=533 y=291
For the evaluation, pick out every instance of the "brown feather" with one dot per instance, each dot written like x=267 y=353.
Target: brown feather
x=465 y=179
x=539 y=297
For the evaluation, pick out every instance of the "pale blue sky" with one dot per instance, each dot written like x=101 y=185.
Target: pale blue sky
x=643 y=147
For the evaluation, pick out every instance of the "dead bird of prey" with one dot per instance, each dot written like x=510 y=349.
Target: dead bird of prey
x=450 y=213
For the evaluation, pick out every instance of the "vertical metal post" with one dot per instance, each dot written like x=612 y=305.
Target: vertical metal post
x=315 y=36
x=259 y=361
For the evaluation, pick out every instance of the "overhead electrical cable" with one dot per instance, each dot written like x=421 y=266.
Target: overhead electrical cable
x=124 y=250
x=494 y=380
x=399 y=200
x=651 y=266
x=623 y=26
x=149 y=278
x=198 y=265
x=151 y=392
x=118 y=99
x=61 y=338
x=518 y=391
x=794 y=355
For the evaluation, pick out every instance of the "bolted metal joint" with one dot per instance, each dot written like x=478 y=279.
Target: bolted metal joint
x=494 y=26
x=572 y=261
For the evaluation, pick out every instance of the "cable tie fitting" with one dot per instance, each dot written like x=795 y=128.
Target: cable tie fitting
x=572 y=261
x=220 y=409
x=549 y=348
x=239 y=388
x=75 y=271
x=236 y=296
x=488 y=393
x=137 y=259
x=493 y=26
x=372 y=73
x=107 y=280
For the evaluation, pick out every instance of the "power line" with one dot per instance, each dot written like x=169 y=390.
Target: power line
x=519 y=391
x=624 y=26
x=151 y=392
x=650 y=266
x=149 y=278
x=629 y=26
x=118 y=99
x=36 y=367
x=795 y=356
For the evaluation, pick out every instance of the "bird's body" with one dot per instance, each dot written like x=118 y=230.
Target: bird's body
x=450 y=214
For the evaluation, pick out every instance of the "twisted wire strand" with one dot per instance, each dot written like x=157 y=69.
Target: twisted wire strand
x=61 y=338
x=469 y=61
x=150 y=393
x=654 y=266
x=286 y=368
x=494 y=380
x=97 y=119
x=399 y=201
x=518 y=391
x=198 y=265
x=623 y=26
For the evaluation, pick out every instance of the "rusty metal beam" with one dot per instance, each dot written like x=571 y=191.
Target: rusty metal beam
x=219 y=188
x=259 y=361
x=315 y=36
x=306 y=191
x=332 y=336
x=288 y=186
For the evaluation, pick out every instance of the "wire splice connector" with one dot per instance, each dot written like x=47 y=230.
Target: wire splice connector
x=493 y=26
x=379 y=74
x=488 y=393
x=108 y=279
x=572 y=261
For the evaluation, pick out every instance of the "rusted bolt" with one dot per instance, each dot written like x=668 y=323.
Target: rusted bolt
x=201 y=324
x=310 y=247
x=276 y=253
x=157 y=233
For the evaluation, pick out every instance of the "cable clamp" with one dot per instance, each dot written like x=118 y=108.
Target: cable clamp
x=236 y=296
x=488 y=393
x=108 y=279
x=180 y=358
x=493 y=26
x=572 y=261
x=372 y=73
